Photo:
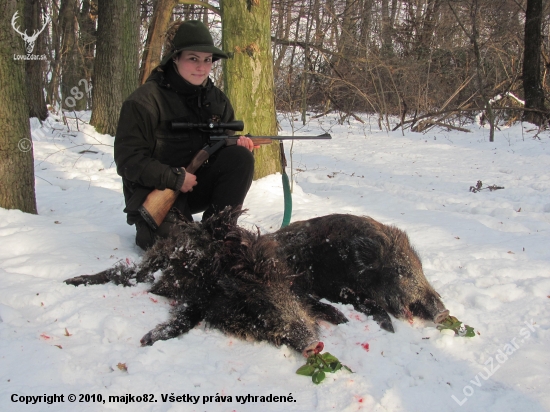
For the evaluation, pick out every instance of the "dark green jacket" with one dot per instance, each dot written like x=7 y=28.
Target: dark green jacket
x=147 y=152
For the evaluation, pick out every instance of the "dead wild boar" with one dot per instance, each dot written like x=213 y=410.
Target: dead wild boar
x=231 y=278
x=357 y=260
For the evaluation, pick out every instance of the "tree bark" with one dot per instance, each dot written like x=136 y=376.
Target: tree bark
x=152 y=52
x=35 y=68
x=387 y=28
x=115 y=65
x=72 y=62
x=532 y=87
x=248 y=75
x=52 y=86
x=16 y=154
x=130 y=48
x=87 y=41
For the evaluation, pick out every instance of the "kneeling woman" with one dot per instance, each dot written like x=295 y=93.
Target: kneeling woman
x=150 y=155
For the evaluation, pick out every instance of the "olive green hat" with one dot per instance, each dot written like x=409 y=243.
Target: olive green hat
x=193 y=35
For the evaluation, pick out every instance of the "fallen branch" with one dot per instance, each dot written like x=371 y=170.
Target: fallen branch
x=478 y=187
x=471 y=110
x=428 y=123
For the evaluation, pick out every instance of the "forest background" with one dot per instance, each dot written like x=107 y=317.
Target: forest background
x=428 y=62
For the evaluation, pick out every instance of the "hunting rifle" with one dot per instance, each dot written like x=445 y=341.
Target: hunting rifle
x=159 y=202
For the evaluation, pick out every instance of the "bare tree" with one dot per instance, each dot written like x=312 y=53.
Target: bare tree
x=115 y=65
x=532 y=86
x=249 y=73
x=152 y=52
x=16 y=154
x=35 y=69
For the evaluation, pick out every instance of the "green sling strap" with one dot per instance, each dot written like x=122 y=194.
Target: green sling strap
x=286 y=189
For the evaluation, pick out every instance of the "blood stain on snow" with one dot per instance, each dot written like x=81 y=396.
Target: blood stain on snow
x=365 y=346
x=45 y=337
x=153 y=300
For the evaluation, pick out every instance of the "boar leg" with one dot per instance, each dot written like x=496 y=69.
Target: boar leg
x=367 y=306
x=185 y=318
x=324 y=311
x=98 y=279
x=119 y=275
x=379 y=315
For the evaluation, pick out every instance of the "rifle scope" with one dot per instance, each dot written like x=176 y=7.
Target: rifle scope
x=236 y=125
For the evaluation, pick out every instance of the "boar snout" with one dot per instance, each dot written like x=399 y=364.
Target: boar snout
x=440 y=317
x=313 y=349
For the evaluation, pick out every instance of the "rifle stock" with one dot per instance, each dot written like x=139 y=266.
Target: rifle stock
x=157 y=205
x=159 y=202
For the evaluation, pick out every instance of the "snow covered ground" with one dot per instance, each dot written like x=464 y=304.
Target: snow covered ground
x=486 y=253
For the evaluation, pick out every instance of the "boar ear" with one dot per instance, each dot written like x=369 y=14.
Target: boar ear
x=367 y=252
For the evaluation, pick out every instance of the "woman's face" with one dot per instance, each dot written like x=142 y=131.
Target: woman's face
x=194 y=66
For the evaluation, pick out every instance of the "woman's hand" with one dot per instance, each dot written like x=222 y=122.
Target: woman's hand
x=189 y=182
x=246 y=142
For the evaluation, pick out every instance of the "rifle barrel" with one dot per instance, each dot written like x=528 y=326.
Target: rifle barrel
x=236 y=125
x=321 y=136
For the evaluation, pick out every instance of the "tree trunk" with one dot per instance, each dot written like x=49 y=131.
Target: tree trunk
x=427 y=23
x=474 y=7
x=35 y=68
x=72 y=92
x=386 y=30
x=116 y=55
x=52 y=86
x=532 y=88
x=87 y=41
x=16 y=155
x=284 y=24
x=130 y=48
x=152 y=52
x=248 y=76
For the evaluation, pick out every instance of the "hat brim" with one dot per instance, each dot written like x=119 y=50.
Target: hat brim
x=216 y=53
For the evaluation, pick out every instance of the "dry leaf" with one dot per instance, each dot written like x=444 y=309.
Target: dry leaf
x=122 y=367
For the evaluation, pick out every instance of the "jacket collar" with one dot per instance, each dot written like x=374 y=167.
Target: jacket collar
x=169 y=78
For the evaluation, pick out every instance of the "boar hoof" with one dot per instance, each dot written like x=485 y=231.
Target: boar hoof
x=384 y=322
x=147 y=339
x=76 y=281
x=379 y=315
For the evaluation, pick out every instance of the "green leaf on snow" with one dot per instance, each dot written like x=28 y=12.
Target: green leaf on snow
x=318 y=377
x=306 y=370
